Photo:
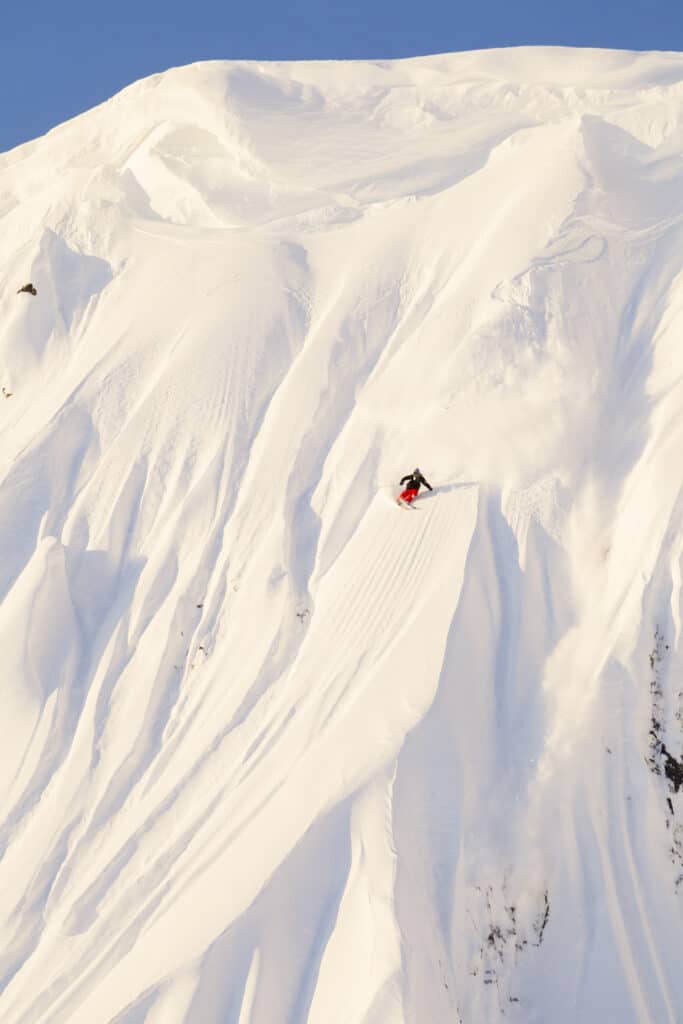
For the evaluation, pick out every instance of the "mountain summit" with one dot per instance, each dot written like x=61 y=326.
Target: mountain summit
x=275 y=750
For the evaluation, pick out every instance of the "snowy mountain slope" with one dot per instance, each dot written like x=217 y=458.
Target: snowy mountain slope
x=276 y=750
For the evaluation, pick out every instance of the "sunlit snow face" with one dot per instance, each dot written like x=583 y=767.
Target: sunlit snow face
x=230 y=789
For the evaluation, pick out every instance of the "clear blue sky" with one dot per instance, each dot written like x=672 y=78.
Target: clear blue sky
x=61 y=57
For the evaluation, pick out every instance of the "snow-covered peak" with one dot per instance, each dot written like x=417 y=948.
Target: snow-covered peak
x=275 y=748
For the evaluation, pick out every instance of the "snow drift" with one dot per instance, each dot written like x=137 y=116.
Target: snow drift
x=274 y=749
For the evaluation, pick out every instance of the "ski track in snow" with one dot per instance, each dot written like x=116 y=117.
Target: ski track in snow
x=277 y=751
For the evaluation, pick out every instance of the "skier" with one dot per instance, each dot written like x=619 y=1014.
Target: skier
x=413 y=482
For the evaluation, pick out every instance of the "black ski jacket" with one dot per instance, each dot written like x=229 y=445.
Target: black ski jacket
x=414 y=480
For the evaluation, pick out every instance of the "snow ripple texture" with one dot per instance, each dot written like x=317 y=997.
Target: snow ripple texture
x=276 y=751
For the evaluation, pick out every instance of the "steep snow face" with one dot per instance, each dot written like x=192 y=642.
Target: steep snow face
x=276 y=750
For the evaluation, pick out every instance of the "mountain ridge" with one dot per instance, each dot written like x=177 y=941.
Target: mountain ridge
x=276 y=750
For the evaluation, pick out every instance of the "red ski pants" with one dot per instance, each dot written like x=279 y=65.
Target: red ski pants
x=409 y=495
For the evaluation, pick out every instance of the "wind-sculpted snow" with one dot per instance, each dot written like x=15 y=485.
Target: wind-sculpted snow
x=275 y=750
